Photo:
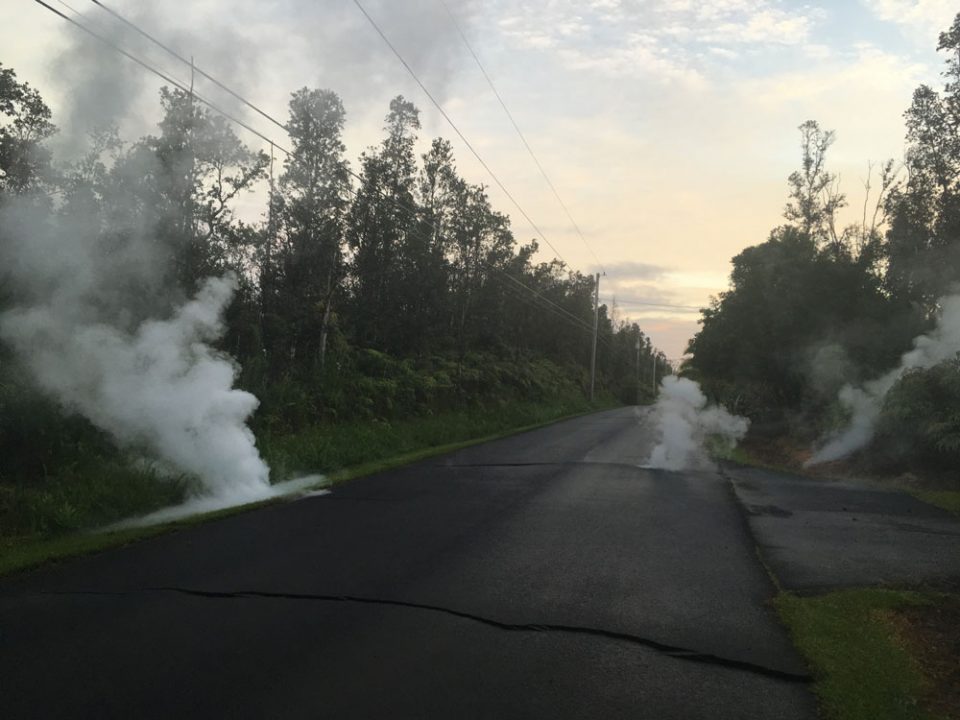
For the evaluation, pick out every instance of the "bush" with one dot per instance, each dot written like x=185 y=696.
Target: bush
x=920 y=420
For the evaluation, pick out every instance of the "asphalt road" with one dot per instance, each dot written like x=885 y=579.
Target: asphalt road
x=543 y=575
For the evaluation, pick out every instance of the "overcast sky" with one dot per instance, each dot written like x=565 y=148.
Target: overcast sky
x=667 y=126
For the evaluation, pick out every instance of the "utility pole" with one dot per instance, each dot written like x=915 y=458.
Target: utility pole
x=638 y=366
x=596 y=320
x=654 y=375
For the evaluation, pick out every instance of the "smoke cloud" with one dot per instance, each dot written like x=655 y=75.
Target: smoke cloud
x=866 y=401
x=155 y=384
x=161 y=388
x=685 y=422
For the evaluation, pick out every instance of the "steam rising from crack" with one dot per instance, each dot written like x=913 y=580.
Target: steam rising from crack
x=161 y=388
x=865 y=402
x=685 y=422
x=94 y=327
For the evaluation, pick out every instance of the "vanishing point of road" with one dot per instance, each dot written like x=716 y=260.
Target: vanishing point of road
x=545 y=575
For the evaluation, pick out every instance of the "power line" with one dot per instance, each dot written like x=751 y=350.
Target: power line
x=180 y=57
x=666 y=305
x=456 y=129
x=282 y=126
x=158 y=73
x=266 y=139
x=516 y=127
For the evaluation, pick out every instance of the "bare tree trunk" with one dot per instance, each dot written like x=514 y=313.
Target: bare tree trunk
x=325 y=324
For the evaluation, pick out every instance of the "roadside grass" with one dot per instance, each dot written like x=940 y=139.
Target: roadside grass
x=861 y=670
x=329 y=448
x=946 y=499
x=400 y=444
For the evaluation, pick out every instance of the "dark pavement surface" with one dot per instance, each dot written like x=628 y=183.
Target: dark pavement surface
x=543 y=575
x=824 y=534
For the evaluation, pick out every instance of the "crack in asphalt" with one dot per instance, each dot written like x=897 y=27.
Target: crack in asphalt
x=673 y=651
x=519 y=464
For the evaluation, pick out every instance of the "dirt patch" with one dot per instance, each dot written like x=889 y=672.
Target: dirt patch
x=931 y=634
x=784 y=452
x=776 y=452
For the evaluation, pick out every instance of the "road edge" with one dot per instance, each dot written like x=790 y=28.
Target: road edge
x=31 y=556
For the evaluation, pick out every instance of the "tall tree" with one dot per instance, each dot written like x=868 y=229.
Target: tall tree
x=311 y=209
x=814 y=196
x=923 y=242
x=193 y=173
x=25 y=122
x=383 y=214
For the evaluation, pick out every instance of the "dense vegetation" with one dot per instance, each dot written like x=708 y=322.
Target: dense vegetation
x=816 y=307
x=378 y=310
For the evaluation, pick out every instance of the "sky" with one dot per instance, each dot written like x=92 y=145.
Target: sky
x=668 y=127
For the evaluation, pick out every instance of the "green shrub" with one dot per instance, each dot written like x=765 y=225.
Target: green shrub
x=920 y=420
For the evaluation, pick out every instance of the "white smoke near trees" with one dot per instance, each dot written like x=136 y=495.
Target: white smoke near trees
x=161 y=388
x=155 y=384
x=865 y=402
x=685 y=422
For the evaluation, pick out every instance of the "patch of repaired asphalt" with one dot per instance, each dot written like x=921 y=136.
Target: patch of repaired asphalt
x=818 y=535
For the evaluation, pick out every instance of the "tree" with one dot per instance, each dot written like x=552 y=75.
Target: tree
x=761 y=346
x=25 y=123
x=923 y=241
x=188 y=178
x=310 y=210
x=383 y=214
x=814 y=195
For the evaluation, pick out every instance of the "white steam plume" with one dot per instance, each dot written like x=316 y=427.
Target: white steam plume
x=684 y=422
x=865 y=402
x=161 y=388
x=93 y=325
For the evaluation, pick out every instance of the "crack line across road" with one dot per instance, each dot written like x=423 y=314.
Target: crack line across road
x=674 y=651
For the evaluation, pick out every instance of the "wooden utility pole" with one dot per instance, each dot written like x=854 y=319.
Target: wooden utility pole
x=596 y=320
x=638 y=366
x=654 y=375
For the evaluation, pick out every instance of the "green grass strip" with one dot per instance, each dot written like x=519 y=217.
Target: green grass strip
x=946 y=499
x=860 y=671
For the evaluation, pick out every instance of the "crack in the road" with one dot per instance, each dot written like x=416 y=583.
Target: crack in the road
x=674 y=651
x=520 y=464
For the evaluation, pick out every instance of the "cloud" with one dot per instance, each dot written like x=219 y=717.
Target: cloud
x=664 y=39
x=925 y=19
x=631 y=270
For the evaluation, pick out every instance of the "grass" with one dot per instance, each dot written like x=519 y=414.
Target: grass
x=946 y=499
x=330 y=448
x=19 y=553
x=861 y=672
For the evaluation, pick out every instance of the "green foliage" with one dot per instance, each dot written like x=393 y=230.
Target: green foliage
x=25 y=122
x=946 y=499
x=796 y=324
x=920 y=420
x=58 y=473
x=860 y=670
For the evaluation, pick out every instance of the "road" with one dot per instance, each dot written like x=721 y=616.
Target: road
x=542 y=575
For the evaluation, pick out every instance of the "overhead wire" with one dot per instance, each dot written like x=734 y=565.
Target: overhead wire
x=180 y=57
x=166 y=77
x=456 y=129
x=159 y=73
x=516 y=127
